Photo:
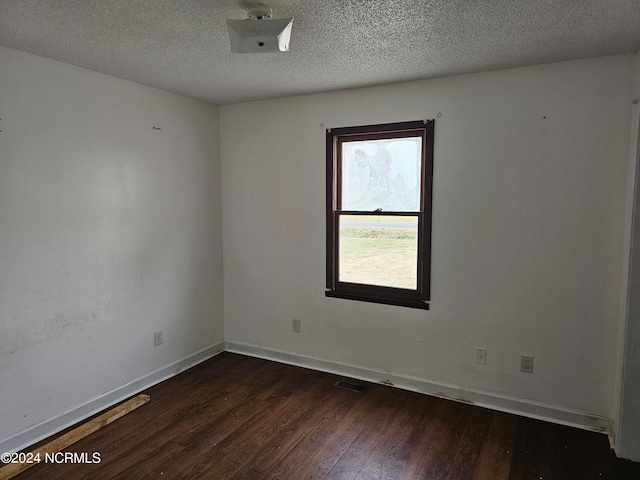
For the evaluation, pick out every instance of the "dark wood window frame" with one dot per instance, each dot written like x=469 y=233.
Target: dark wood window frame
x=420 y=297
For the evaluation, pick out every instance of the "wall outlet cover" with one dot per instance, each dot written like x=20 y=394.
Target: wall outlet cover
x=526 y=363
x=157 y=338
x=481 y=356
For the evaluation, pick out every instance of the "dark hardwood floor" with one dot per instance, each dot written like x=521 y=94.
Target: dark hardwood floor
x=236 y=417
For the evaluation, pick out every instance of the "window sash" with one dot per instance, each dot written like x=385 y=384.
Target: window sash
x=340 y=239
x=363 y=137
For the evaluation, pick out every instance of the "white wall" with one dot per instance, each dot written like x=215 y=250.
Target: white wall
x=530 y=189
x=109 y=230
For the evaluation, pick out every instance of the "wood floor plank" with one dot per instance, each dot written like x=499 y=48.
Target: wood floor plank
x=305 y=417
x=217 y=407
x=383 y=462
x=219 y=453
x=236 y=417
x=494 y=459
x=318 y=452
x=418 y=454
x=374 y=427
x=468 y=449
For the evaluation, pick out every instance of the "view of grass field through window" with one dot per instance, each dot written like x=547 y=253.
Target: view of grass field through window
x=379 y=250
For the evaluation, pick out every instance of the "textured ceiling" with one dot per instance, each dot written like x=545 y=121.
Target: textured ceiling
x=183 y=46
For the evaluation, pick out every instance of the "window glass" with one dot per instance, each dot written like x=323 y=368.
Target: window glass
x=379 y=250
x=381 y=174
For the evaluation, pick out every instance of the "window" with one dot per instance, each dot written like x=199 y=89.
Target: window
x=379 y=180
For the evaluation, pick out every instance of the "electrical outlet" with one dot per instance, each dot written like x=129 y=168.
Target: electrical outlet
x=295 y=325
x=481 y=355
x=157 y=338
x=526 y=363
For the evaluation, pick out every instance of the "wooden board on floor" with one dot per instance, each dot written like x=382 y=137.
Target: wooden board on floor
x=69 y=438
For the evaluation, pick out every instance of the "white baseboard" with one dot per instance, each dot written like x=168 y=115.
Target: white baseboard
x=516 y=406
x=49 y=427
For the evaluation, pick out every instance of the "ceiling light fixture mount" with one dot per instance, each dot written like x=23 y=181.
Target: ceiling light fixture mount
x=258 y=12
x=259 y=33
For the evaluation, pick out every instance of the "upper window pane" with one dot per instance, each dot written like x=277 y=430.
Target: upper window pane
x=381 y=174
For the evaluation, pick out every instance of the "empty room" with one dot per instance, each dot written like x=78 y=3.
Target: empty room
x=323 y=239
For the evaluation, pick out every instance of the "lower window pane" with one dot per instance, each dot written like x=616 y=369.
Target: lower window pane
x=379 y=250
